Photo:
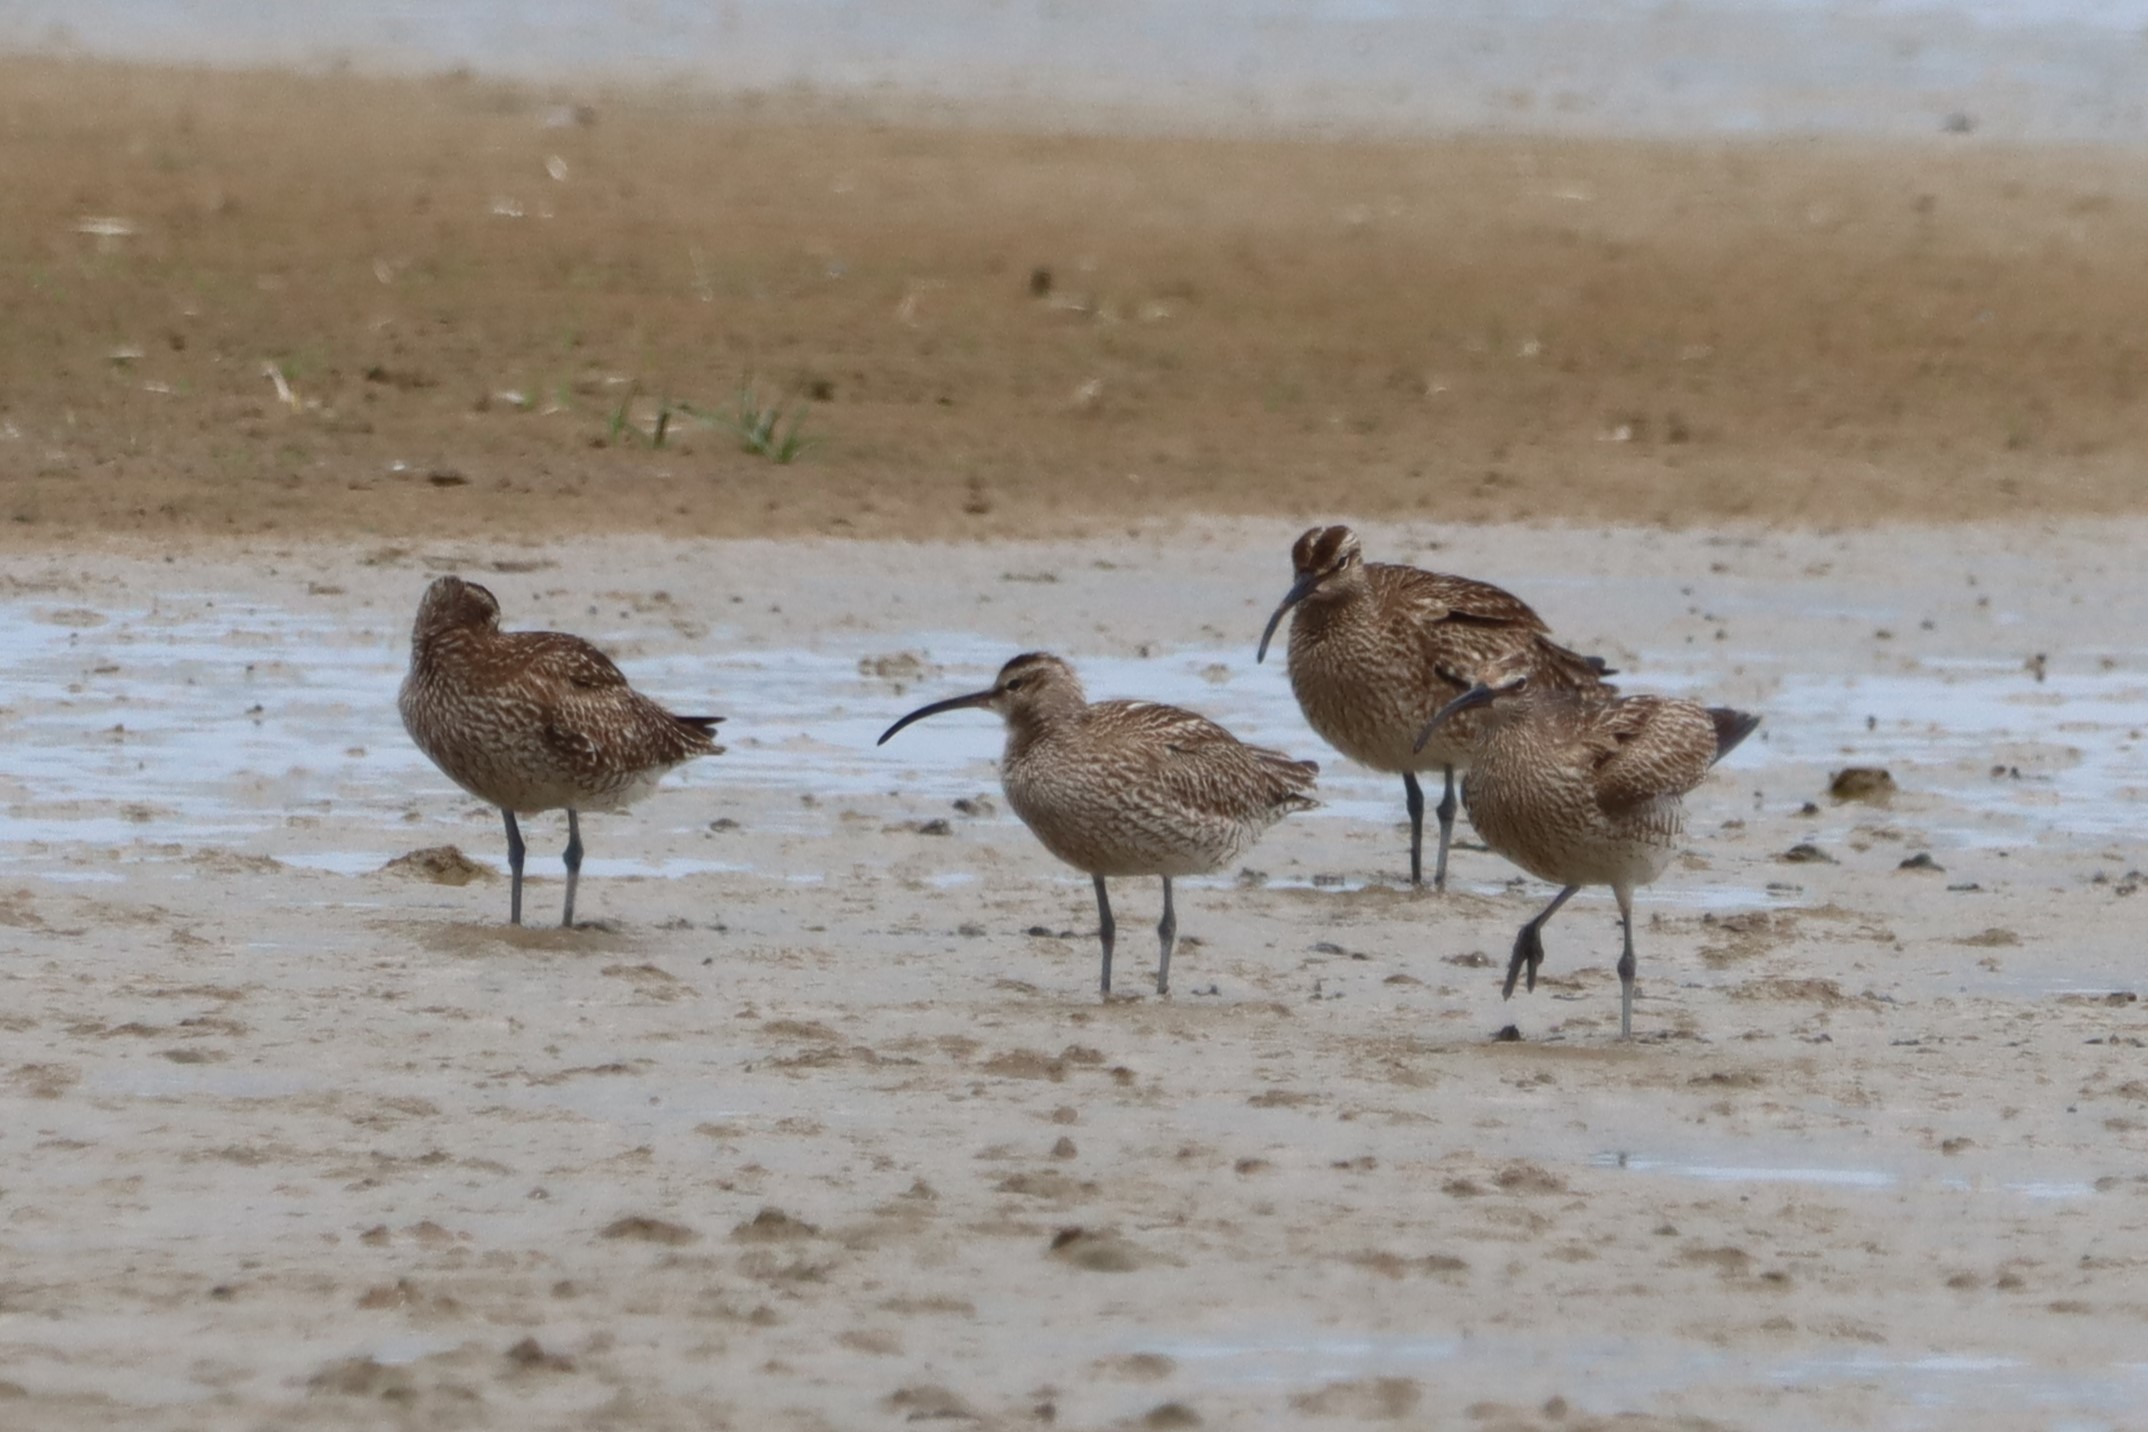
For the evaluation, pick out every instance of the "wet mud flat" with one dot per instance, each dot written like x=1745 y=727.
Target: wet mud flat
x=818 y=1122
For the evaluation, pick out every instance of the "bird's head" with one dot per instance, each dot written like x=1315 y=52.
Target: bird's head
x=1497 y=683
x=1328 y=562
x=1029 y=686
x=450 y=603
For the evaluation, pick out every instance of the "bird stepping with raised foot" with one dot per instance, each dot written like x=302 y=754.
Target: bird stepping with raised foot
x=1124 y=788
x=1584 y=788
x=534 y=720
x=1376 y=648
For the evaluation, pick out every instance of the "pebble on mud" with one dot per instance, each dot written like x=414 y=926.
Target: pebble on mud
x=1862 y=783
x=1099 y=1250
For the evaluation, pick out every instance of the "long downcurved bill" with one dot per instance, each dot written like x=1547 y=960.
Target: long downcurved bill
x=1299 y=591
x=1477 y=695
x=952 y=703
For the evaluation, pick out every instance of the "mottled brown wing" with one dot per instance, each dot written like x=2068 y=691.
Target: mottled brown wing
x=597 y=721
x=556 y=656
x=1204 y=767
x=1465 y=628
x=1646 y=747
x=576 y=748
x=1568 y=670
x=1430 y=598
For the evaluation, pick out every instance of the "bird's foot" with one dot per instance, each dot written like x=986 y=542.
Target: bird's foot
x=1528 y=954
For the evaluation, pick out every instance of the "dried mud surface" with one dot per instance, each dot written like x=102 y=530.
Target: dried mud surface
x=819 y=1124
x=478 y=298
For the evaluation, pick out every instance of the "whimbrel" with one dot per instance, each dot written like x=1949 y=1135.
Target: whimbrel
x=534 y=720
x=1376 y=648
x=1584 y=788
x=1118 y=788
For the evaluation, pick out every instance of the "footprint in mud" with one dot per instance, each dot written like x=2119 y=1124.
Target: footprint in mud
x=1368 y=1399
x=1397 y=1267
x=1049 y=1185
x=529 y=1355
x=1136 y=1367
x=641 y=1228
x=929 y=1402
x=773 y=1225
x=1099 y=1250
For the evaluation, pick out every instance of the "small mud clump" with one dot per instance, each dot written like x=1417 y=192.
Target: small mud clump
x=1873 y=785
x=644 y=1229
x=441 y=864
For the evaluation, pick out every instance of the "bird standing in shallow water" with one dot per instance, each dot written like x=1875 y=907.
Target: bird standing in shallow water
x=534 y=720
x=1581 y=788
x=1129 y=787
x=1376 y=648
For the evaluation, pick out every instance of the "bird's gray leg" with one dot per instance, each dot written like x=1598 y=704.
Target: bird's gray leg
x=1529 y=944
x=514 y=869
x=1104 y=928
x=1413 y=796
x=573 y=857
x=1625 y=962
x=1166 y=931
x=1445 y=812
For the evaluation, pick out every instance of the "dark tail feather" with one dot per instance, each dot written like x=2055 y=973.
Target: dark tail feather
x=1596 y=664
x=1293 y=780
x=1731 y=727
x=701 y=731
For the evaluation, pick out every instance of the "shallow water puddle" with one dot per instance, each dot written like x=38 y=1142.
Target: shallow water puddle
x=204 y=721
x=1718 y=1173
x=1623 y=1372
x=2040 y=1190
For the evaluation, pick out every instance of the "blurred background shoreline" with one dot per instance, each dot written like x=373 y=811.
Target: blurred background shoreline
x=455 y=272
x=2018 y=70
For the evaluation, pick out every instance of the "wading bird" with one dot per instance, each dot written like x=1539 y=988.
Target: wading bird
x=1582 y=788
x=1119 y=788
x=1376 y=648
x=534 y=720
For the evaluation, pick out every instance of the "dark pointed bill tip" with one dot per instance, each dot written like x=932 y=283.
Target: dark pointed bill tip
x=952 y=703
x=1298 y=592
x=1477 y=695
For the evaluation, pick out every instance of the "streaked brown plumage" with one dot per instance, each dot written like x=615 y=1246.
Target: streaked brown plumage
x=1583 y=788
x=1129 y=787
x=1376 y=648
x=534 y=720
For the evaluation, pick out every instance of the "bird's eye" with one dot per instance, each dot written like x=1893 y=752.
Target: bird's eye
x=1014 y=684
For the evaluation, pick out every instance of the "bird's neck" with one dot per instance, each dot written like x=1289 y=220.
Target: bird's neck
x=1041 y=720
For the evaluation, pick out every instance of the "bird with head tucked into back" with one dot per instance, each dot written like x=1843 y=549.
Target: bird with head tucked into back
x=534 y=720
x=1119 y=788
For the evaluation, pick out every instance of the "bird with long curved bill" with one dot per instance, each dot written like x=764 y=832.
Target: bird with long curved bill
x=1375 y=648
x=1584 y=789
x=1124 y=788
